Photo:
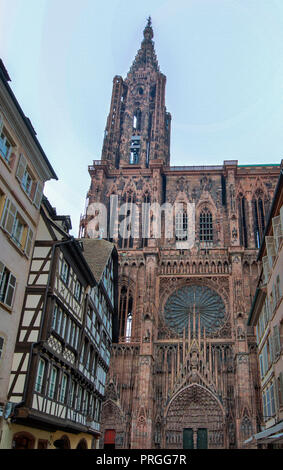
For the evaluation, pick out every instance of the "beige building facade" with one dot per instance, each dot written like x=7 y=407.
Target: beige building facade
x=266 y=317
x=24 y=168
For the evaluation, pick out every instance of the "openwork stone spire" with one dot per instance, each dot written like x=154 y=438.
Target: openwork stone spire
x=146 y=54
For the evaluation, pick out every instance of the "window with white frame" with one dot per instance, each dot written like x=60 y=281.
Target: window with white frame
x=97 y=410
x=79 y=398
x=265 y=358
x=40 y=376
x=181 y=224
x=52 y=383
x=54 y=318
x=27 y=182
x=71 y=396
x=91 y=406
x=6 y=146
x=63 y=388
x=90 y=321
x=7 y=285
x=268 y=402
x=1 y=346
x=261 y=366
x=78 y=291
x=86 y=403
x=33 y=188
x=15 y=225
x=65 y=271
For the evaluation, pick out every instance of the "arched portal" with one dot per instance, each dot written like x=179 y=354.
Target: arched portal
x=194 y=419
x=112 y=426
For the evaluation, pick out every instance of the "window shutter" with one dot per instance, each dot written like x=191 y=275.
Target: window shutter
x=270 y=342
x=29 y=241
x=265 y=359
x=33 y=190
x=274 y=297
x=276 y=340
x=10 y=290
x=261 y=365
x=277 y=231
x=1 y=123
x=1 y=345
x=281 y=387
x=265 y=268
x=21 y=168
x=38 y=194
x=270 y=248
x=2 y=266
x=9 y=216
x=4 y=212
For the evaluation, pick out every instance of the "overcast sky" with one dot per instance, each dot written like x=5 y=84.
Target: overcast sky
x=224 y=65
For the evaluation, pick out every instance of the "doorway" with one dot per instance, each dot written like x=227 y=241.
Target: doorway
x=188 y=438
x=109 y=439
x=201 y=438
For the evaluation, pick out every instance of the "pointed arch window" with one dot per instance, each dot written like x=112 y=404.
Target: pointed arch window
x=145 y=221
x=125 y=314
x=181 y=224
x=242 y=209
x=125 y=240
x=205 y=226
x=137 y=120
x=259 y=223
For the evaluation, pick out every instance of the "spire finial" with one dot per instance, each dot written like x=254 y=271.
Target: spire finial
x=148 y=32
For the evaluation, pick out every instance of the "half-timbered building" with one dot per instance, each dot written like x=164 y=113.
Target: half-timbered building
x=64 y=339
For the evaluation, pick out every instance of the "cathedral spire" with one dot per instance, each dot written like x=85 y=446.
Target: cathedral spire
x=146 y=55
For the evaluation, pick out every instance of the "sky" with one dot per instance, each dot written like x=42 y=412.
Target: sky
x=223 y=60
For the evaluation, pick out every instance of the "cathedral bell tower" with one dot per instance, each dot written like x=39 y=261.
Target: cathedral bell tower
x=138 y=126
x=183 y=372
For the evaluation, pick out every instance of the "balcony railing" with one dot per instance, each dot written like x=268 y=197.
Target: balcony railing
x=95 y=163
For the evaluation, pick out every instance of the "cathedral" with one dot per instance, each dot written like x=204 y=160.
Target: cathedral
x=183 y=372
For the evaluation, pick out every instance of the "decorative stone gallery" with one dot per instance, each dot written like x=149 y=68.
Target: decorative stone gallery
x=183 y=373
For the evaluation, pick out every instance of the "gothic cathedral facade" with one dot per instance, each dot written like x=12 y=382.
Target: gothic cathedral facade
x=183 y=372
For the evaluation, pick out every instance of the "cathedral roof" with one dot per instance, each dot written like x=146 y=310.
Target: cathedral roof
x=146 y=54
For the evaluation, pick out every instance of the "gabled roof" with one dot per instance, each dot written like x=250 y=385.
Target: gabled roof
x=97 y=253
